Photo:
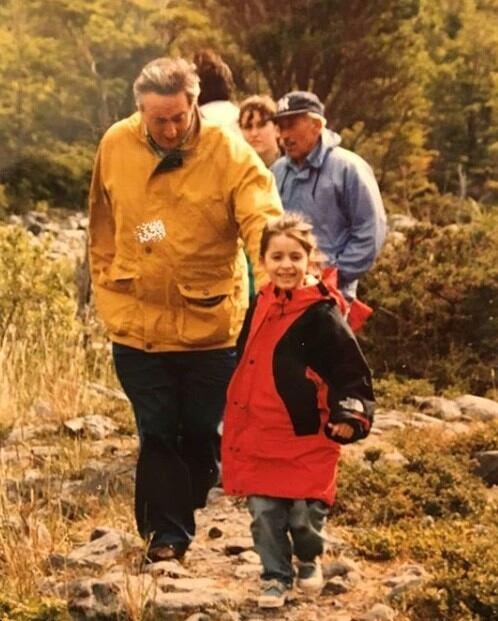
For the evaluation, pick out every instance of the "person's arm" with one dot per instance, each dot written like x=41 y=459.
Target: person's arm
x=101 y=223
x=337 y=358
x=255 y=200
x=363 y=205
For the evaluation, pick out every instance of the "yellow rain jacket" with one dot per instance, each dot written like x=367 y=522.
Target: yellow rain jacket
x=167 y=266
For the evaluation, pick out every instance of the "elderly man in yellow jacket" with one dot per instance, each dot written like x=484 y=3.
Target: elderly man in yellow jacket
x=171 y=198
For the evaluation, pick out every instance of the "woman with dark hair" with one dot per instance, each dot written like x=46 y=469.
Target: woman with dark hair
x=258 y=128
x=217 y=85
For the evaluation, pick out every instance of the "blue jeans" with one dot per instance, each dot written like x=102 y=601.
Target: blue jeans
x=178 y=400
x=273 y=519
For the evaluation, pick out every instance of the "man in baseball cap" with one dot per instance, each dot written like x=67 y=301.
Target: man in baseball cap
x=334 y=188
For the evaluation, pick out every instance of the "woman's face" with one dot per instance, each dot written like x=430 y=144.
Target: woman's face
x=261 y=134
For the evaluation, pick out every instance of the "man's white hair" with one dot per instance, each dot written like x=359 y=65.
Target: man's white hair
x=167 y=76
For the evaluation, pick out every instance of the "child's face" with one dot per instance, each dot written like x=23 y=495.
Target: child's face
x=285 y=262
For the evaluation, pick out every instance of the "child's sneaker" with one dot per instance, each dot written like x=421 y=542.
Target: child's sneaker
x=310 y=576
x=273 y=594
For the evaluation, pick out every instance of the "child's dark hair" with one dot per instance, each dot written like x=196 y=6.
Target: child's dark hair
x=293 y=225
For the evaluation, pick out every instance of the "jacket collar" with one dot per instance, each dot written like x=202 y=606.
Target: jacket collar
x=297 y=299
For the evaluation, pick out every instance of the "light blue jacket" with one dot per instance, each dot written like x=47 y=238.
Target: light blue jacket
x=337 y=192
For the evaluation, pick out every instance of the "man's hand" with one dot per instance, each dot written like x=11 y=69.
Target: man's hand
x=341 y=430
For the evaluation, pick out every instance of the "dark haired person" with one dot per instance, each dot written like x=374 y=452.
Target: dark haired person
x=258 y=128
x=216 y=82
x=302 y=387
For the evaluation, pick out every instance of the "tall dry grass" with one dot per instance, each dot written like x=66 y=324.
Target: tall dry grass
x=44 y=382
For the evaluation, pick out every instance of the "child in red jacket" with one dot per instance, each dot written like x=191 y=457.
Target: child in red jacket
x=301 y=388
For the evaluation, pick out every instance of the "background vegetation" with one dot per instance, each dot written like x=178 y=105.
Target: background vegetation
x=412 y=85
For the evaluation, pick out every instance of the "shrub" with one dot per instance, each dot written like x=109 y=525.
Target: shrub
x=379 y=544
x=436 y=481
x=483 y=438
x=44 y=610
x=436 y=306
x=429 y=485
x=35 y=290
x=61 y=178
x=463 y=561
x=458 y=545
x=392 y=391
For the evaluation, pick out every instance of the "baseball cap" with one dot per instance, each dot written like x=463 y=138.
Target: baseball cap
x=298 y=102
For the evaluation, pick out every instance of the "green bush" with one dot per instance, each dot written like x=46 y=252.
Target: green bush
x=436 y=481
x=60 y=178
x=484 y=438
x=44 y=610
x=379 y=544
x=392 y=391
x=35 y=290
x=462 y=559
x=428 y=485
x=433 y=511
x=435 y=298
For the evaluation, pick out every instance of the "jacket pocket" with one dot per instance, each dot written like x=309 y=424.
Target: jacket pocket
x=115 y=299
x=206 y=313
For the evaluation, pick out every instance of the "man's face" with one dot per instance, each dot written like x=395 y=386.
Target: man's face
x=299 y=134
x=167 y=117
x=261 y=134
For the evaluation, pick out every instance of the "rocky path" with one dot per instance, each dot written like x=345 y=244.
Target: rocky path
x=219 y=578
x=98 y=569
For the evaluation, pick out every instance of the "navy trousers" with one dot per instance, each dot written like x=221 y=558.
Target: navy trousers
x=178 y=400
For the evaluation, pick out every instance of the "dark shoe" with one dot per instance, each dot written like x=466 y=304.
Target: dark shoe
x=273 y=594
x=165 y=552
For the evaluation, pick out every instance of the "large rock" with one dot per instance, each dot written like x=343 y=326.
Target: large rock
x=421 y=420
x=29 y=432
x=172 y=569
x=488 y=466
x=165 y=603
x=379 y=612
x=387 y=420
x=111 y=393
x=478 y=408
x=407 y=577
x=440 y=407
x=94 y=426
x=105 y=548
x=33 y=485
x=336 y=586
x=341 y=566
x=113 y=596
x=94 y=598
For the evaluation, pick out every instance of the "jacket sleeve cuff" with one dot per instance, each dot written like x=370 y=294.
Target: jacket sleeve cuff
x=359 y=418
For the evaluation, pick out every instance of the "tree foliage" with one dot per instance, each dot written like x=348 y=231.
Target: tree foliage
x=462 y=39
x=407 y=82
x=67 y=67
